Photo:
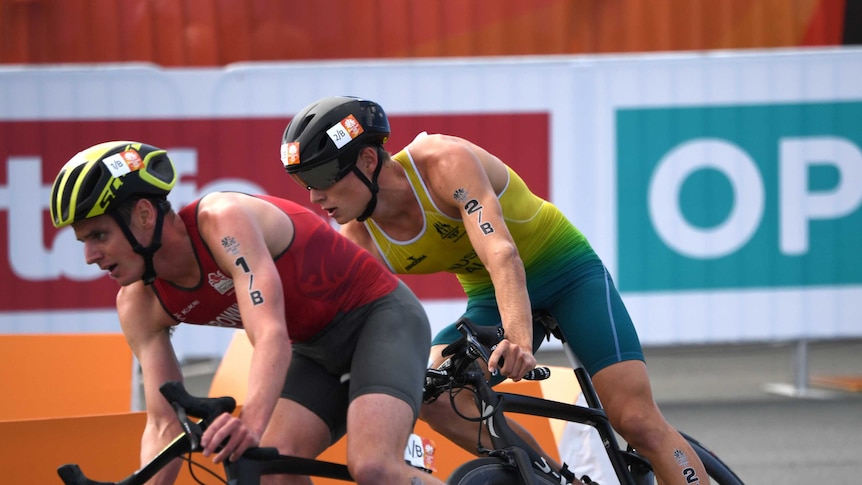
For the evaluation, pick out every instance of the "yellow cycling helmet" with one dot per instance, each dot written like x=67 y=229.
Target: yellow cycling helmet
x=99 y=179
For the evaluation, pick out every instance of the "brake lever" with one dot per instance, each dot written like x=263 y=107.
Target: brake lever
x=476 y=350
x=192 y=429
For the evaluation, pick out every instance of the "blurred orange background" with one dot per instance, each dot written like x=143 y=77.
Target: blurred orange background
x=218 y=32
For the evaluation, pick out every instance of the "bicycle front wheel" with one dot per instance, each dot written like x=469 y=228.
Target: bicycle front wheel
x=491 y=471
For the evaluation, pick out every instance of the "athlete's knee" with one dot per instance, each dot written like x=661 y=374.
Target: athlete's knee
x=305 y=443
x=291 y=447
x=642 y=426
x=371 y=470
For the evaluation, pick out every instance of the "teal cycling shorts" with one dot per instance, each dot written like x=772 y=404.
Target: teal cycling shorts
x=587 y=306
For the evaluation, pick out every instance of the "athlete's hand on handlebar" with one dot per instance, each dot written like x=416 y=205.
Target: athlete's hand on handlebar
x=500 y=354
x=478 y=343
x=228 y=438
x=511 y=360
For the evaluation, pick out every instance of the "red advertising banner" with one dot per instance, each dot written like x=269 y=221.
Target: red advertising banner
x=42 y=268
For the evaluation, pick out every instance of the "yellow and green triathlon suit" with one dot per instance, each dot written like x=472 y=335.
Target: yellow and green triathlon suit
x=564 y=274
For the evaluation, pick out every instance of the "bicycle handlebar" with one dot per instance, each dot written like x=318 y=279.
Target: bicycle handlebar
x=477 y=342
x=538 y=374
x=205 y=408
x=185 y=405
x=72 y=475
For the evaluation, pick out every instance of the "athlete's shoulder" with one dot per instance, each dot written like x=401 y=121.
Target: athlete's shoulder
x=427 y=143
x=223 y=198
x=437 y=154
x=356 y=232
x=214 y=203
x=220 y=207
x=137 y=304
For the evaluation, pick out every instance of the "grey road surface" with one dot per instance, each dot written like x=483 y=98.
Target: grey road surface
x=731 y=399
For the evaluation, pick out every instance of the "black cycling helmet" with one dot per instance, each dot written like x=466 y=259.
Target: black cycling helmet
x=98 y=180
x=322 y=142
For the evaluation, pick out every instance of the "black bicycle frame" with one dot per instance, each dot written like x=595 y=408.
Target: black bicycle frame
x=267 y=461
x=493 y=404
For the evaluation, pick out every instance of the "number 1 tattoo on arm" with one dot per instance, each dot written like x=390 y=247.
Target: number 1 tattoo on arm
x=231 y=246
x=255 y=295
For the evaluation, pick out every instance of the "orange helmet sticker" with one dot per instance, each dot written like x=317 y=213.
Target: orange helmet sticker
x=290 y=153
x=132 y=159
x=351 y=124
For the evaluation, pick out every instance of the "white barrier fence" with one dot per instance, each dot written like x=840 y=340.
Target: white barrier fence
x=723 y=190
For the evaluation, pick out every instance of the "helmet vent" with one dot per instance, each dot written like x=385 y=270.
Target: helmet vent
x=89 y=184
x=305 y=122
x=58 y=202
x=161 y=168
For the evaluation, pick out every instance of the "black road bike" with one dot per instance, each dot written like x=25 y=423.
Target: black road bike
x=511 y=460
x=247 y=470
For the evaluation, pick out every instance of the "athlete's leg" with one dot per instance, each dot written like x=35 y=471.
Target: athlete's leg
x=378 y=426
x=297 y=431
x=309 y=417
x=386 y=376
x=599 y=329
x=626 y=396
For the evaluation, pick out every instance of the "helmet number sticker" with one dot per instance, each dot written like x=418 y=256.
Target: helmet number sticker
x=345 y=131
x=122 y=163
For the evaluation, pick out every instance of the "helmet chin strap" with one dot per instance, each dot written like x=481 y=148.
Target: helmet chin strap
x=147 y=252
x=372 y=186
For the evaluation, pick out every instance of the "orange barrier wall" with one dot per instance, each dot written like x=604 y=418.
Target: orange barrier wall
x=219 y=32
x=44 y=376
x=66 y=399
x=106 y=448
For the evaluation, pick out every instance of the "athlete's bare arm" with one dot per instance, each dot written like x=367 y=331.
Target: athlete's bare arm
x=461 y=177
x=243 y=233
x=146 y=327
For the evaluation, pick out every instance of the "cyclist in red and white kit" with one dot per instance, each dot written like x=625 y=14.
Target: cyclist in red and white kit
x=327 y=321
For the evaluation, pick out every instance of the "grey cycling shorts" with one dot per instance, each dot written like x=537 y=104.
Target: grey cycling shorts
x=381 y=347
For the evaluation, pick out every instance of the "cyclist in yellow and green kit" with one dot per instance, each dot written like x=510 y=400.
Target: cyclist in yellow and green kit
x=444 y=204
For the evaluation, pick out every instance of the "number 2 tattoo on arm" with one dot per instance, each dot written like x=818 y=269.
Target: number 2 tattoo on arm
x=231 y=246
x=472 y=206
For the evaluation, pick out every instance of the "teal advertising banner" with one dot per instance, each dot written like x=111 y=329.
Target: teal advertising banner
x=739 y=196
